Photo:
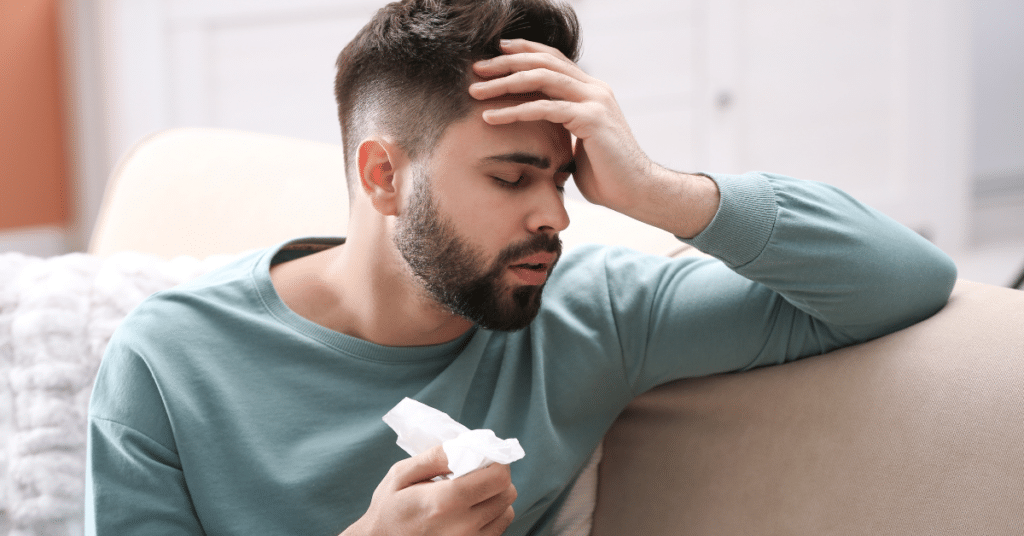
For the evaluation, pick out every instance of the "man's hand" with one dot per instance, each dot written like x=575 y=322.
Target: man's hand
x=407 y=503
x=611 y=169
x=607 y=155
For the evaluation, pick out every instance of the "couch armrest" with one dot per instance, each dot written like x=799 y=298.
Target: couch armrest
x=919 y=432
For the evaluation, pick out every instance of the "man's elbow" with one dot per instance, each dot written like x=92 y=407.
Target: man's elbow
x=927 y=291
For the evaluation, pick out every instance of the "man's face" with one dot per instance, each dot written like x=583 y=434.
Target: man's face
x=480 y=228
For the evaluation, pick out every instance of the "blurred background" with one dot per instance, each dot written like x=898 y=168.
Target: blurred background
x=914 y=106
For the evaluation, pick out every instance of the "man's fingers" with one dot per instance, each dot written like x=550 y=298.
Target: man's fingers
x=499 y=524
x=420 y=468
x=581 y=120
x=510 y=63
x=497 y=504
x=515 y=46
x=495 y=513
x=553 y=84
x=484 y=484
x=542 y=110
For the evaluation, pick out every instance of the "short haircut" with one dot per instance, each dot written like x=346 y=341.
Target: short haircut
x=406 y=73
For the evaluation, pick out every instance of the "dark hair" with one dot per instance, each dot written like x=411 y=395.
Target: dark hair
x=406 y=73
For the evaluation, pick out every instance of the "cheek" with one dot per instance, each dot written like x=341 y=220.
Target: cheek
x=488 y=220
x=495 y=219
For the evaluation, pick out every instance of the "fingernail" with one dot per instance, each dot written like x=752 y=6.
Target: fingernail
x=483 y=63
x=506 y=42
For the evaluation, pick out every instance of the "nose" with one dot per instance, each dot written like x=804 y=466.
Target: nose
x=548 y=213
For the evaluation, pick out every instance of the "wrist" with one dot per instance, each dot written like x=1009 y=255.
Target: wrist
x=704 y=199
x=681 y=203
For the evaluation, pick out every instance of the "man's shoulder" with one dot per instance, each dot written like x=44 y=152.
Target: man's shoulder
x=187 y=308
x=599 y=277
x=584 y=257
x=584 y=274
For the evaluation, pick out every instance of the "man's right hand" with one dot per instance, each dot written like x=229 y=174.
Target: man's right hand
x=408 y=503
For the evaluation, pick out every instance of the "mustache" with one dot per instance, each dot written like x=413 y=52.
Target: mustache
x=536 y=244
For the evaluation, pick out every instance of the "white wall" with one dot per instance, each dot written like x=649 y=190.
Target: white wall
x=998 y=80
x=997 y=163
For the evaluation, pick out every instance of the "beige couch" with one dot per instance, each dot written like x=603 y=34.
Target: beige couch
x=920 y=432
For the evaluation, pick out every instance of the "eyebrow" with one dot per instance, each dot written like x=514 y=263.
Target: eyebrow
x=539 y=162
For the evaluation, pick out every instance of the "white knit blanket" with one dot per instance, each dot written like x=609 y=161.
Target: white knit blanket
x=56 y=316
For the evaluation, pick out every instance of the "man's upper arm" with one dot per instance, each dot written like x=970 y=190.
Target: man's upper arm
x=134 y=479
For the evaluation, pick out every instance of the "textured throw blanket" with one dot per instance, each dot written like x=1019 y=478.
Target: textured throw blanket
x=56 y=316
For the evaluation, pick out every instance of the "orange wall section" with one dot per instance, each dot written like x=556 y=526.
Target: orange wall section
x=33 y=149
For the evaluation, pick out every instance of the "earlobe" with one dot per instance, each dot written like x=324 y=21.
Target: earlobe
x=377 y=174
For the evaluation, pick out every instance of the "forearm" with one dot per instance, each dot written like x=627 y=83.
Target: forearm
x=831 y=256
x=680 y=203
x=805 y=269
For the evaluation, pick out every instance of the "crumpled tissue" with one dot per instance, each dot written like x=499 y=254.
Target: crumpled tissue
x=421 y=427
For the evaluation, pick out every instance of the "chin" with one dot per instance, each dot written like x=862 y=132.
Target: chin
x=517 y=310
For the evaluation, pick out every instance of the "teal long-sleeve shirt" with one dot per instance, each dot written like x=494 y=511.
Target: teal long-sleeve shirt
x=219 y=411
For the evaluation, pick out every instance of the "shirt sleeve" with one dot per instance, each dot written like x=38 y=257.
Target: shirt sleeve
x=800 y=268
x=134 y=480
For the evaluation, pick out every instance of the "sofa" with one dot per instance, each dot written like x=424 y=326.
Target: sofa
x=918 y=432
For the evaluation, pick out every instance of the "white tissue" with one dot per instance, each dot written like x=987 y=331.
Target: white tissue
x=421 y=427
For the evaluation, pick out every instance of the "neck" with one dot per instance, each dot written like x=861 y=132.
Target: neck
x=364 y=289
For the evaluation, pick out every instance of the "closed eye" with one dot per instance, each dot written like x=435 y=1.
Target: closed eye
x=560 y=183
x=508 y=184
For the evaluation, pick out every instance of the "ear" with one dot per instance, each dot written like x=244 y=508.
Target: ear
x=378 y=160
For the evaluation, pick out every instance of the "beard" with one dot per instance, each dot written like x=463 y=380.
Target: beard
x=453 y=272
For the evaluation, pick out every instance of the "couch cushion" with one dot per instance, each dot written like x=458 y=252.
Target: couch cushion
x=918 y=432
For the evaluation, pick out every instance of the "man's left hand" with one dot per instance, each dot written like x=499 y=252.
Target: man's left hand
x=609 y=162
x=611 y=169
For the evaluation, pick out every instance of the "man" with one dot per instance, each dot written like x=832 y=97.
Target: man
x=250 y=401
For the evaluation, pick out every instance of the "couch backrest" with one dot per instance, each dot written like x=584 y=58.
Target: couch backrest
x=918 y=432
x=206 y=191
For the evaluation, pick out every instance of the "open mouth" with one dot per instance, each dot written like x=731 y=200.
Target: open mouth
x=534 y=271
